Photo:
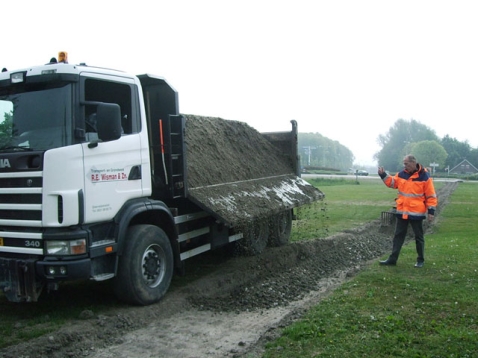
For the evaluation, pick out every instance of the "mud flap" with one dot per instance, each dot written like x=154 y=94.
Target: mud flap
x=240 y=202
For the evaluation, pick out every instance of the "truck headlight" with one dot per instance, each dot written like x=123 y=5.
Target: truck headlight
x=18 y=77
x=66 y=247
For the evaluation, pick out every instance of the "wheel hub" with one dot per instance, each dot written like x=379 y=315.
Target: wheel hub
x=153 y=269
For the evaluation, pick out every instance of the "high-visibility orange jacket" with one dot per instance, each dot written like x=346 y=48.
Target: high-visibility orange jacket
x=416 y=193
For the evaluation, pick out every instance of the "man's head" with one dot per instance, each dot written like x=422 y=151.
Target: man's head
x=410 y=163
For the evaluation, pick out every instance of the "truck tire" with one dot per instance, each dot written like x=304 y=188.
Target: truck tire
x=281 y=226
x=256 y=237
x=146 y=267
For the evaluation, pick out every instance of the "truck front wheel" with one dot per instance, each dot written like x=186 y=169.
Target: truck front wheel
x=146 y=267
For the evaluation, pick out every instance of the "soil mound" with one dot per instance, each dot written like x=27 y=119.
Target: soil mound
x=224 y=151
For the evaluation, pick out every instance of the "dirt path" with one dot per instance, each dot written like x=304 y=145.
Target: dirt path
x=230 y=312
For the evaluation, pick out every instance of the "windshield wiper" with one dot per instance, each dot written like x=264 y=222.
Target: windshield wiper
x=16 y=148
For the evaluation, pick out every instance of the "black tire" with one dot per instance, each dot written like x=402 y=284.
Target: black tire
x=281 y=226
x=256 y=237
x=146 y=267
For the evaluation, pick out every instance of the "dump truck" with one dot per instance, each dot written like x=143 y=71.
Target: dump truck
x=102 y=177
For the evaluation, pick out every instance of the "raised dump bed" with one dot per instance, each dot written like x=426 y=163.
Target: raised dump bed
x=238 y=174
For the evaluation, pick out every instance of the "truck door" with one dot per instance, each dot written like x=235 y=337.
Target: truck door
x=113 y=168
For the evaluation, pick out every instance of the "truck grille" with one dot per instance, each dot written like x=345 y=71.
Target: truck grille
x=21 y=199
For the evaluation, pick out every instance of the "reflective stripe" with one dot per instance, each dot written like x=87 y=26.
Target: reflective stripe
x=411 y=213
x=410 y=195
x=392 y=181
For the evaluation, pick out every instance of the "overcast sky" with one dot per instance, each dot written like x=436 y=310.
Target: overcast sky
x=345 y=69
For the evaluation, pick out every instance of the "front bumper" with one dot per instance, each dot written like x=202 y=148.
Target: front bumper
x=22 y=280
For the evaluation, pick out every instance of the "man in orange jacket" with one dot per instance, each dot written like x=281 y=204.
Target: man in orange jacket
x=416 y=200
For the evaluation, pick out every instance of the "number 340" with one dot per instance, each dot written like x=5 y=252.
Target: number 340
x=32 y=243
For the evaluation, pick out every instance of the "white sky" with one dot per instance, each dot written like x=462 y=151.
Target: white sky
x=345 y=69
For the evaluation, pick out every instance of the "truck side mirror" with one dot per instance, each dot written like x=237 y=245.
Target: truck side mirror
x=108 y=121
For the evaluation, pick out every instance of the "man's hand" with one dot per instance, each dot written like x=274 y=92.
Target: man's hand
x=381 y=170
x=431 y=217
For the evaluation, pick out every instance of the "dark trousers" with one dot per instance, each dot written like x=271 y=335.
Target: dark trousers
x=400 y=234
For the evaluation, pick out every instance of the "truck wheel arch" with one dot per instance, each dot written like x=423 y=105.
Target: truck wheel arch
x=151 y=212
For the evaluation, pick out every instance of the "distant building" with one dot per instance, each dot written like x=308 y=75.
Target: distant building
x=464 y=167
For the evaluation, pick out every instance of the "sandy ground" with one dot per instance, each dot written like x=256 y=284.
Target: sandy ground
x=230 y=311
x=197 y=333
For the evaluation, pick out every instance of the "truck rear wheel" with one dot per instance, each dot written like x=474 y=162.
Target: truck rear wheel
x=256 y=236
x=281 y=226
x=146 y=267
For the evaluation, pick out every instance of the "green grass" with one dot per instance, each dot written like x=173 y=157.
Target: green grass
x=402 y=311
x=348 y=203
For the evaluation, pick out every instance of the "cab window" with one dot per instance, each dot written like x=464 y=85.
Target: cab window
x=108 y=92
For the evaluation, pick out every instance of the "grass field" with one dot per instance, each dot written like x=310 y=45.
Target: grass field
x=402 y=311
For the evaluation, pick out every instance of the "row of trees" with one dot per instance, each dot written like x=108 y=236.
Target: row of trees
x=319 y=151
x=412 y=137
x=404 y=137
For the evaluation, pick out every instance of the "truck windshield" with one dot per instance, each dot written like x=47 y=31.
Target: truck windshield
x=36 y=118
